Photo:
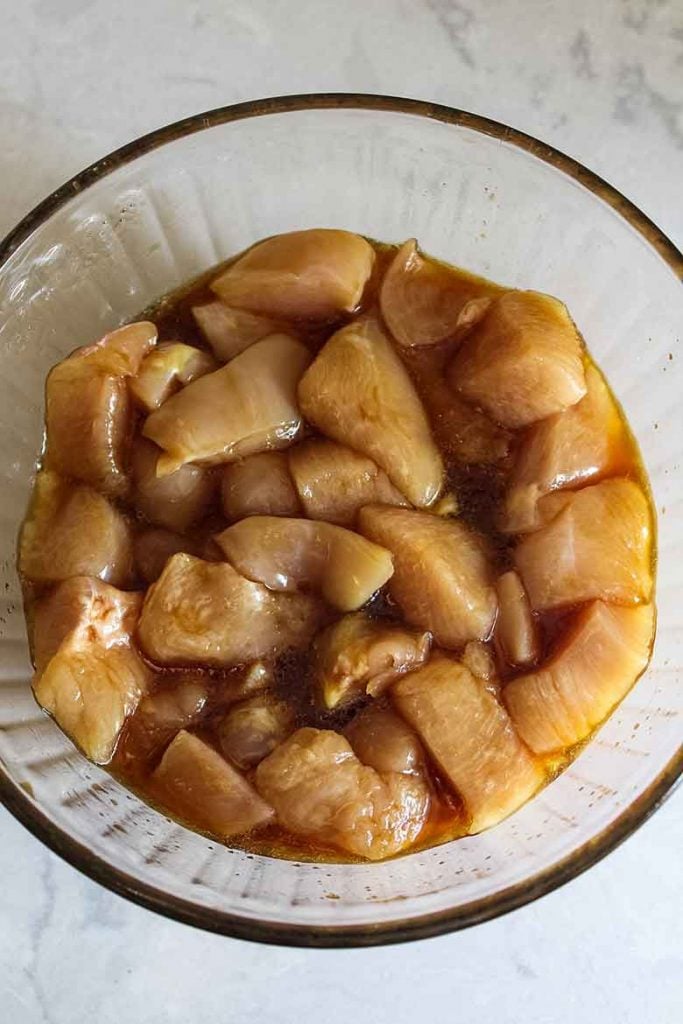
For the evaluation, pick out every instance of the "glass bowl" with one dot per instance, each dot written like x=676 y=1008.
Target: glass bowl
x=165 y=208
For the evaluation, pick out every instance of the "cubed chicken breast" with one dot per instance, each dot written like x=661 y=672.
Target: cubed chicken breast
x=358 y=393
x=311 y=275
x=301 y=555
x=261 y=485
x=165 y=370
x=205 y=613
x=208 y=791
x=516 y=635
x=71 y=530
x=442 y=578
x=229 y=331
x=333 y=481
x=89 y=676
x=320 y=789
x=471 y=738
x=358 y=655
x=158 y=718
x=176 y=500
x=522 y=361
x=153 y=548
x=597 y=543
x=381 y=739
x=87 y=408
x=594 y=667
x=252 y=729
x=247 y=406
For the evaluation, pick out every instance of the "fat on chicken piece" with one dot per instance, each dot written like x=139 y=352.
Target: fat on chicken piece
x=176 y=500
x=320 y=789
x=229 y=331
x=247 y=406
x=71 y=530
x=159 y=717
x=516 y=629
x=299 y=555
x=89 y=676
x=252 y=729
x=583 y=443
x=596 y=544
x=381 y=739
x=358 y=655
x=165 y=370
x=522 y=361
x=206 y=613
x=206 y=789
x=442 y=579
x=597 y=663
x=88 y=410
x=261 y=485
x=471 y=738
x=333 y=481
x=313 y=275
x=153 y=548
x=358 y=392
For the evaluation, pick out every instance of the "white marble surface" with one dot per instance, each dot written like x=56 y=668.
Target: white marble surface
x=602 y=81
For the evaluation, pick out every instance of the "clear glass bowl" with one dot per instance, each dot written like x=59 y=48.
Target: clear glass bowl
x=166 y=207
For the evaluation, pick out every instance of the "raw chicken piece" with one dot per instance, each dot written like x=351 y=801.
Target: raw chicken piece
x=229 y=331
x=167 y=369
x=87 y=408
x=88 y=674
x=314 y=274
x=381 y=739
x=298 y=554
x=209 y=791
x=516 y=630
x=247 y=406
x=442 y=580
x=176 y=500
x=596 y=665
x=357 y=655
x=333 y=481
x=254 y=728
x=597 y=543
x=477 y=657
x=319 y=788
x=72 y=530
x=471 y=738
x=358 y=392
x=158 y=718
x=206 y=613
x=582 y=443
x=259 y=486
x=522 y=361
x=424 y=302
x=153 y=548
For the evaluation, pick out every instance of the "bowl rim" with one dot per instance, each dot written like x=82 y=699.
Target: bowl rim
x=423 y=926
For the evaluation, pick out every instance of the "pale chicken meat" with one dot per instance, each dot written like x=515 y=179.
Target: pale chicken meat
x=300 y=554
x=165 y=370
x=516 y=635
x=88 y=414
x=358 y=655
x=247 y=406
x=89 y=676
x=229 y=331
x=383 y=740
x=320 y=789
x=159 y=717
x=595 y=665
x=470 y=737
x=176 y=500
x=442 y=577
x=261 y=485
x=252 y=729
x=596 y=544
x=72 y=530
x=206 y=613
x=522 y=361
x=358 y=393
x=207 y=790
x=312 y=275
x=153 y=548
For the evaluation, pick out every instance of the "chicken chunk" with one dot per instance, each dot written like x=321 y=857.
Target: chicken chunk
x=312 y=275
x=358 y=392
x=247 y=406
x=516 y=630
x=176 y=500
x=207 y=790
x=87 y=408
x=72 y=530
x=165 y=370
x=206 y=613
x=333 y=481
x=320 y=789
x=298 y=554
x=477 y=657
x=471 y=738
x=153 y=548
x=357 y=655
x=560 y=703
x=381 y=739
x=597 y=543
x=522 y=361
x=254 y=728
x=442 y=579
x=229 y=331
x=89 y=676
x=159 y=717
x=261 y=485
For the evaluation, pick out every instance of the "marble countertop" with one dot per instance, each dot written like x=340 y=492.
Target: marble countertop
x=601 y=81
